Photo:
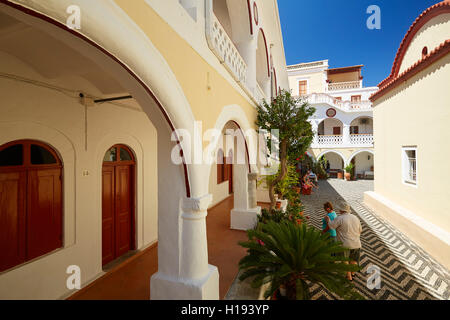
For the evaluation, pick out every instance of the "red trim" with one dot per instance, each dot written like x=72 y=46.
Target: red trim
x=246 y=147
x=255 y=13
x=250 y=16
x=433 y=11
x=267 y=52
x=345 y=69
x=95 y=45
x=420 y=65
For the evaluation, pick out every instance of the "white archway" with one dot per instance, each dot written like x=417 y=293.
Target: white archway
x=183 y=270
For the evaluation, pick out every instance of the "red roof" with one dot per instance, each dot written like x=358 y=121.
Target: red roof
x=433 y=11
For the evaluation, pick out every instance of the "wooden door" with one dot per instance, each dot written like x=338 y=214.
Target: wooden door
x=44 y=217
x=12 y=219
x=117 y=203
x=30 y=202
x=108 y=214
x=123 y=210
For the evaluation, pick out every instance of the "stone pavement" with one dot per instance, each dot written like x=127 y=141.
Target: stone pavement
x=407 y=272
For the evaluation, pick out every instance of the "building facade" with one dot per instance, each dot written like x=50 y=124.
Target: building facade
x=98 y=98
x=411 y=112
x=343 y=120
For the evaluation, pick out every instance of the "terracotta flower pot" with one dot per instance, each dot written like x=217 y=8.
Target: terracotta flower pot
x=278 y=204
x=340 y=175
x=348 y=176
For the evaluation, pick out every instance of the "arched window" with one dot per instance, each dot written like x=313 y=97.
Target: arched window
x=30 y=202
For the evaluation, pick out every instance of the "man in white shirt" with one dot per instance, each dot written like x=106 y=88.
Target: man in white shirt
x=348 y=229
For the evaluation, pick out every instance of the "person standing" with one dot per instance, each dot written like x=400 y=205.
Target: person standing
x=330 y=213
x=348 y=231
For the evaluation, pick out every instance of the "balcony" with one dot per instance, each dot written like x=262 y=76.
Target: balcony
x=347 y=106
x=344 y=85
x=329 y=140
x=343 y=141
x=362 y=139
x=223 y=47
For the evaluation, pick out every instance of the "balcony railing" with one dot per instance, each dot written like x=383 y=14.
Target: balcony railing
x=344 y=85
x=317 y=98
x=362 y=139
x=222 y=46
x=343 y=141
x=329 y=139
x=259 y=93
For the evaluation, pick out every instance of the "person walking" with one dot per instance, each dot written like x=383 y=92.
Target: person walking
x=348 y=231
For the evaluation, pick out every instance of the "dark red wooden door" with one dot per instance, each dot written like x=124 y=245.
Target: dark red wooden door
x=30 y=202
x=44 y=214
x=108 y=215
x=117 y=204
x=123 y=209
x=12 y=219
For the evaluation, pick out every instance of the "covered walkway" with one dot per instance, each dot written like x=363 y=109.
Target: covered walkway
x=130 y=280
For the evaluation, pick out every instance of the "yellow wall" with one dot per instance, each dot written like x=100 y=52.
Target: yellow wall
x=194 y=74
x=316 y=82
x=416 y=113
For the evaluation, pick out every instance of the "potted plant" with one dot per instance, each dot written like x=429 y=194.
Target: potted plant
x=283 y=262
x=340 y=174
x=348 y=171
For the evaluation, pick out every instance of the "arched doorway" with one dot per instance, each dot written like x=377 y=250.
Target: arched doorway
x=363 y=162
x=30 y=202
x=118 y=202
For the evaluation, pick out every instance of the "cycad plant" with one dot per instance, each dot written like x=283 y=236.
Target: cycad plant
x=291 y=255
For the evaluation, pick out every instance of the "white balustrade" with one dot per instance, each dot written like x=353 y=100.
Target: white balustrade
x=361 y=105
x=362 y=139
x=259 y=94
x=323 y=98
x=329 y=140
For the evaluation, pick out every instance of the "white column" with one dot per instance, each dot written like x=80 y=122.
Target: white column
x=315 y=128
x=252 y=200
x=196 y=279
x=346 y=135
x=245 y=212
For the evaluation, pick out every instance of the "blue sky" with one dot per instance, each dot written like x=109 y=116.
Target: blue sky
x=336 y=30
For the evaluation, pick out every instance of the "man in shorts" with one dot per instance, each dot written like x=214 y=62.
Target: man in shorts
x=348 y=229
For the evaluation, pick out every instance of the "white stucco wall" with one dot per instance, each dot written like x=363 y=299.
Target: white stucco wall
x=33 y=112
x=416 y=113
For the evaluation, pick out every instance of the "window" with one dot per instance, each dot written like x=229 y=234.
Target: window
x=356 y=98
x=336 y=130
x=409 y=159
x=30 y=202
x=354 y=129
x=302 y=87
x=338 y=98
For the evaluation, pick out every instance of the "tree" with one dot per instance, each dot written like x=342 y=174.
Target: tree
x=290 y=117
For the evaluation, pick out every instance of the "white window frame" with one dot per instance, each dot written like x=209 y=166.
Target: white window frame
x=406 y=167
